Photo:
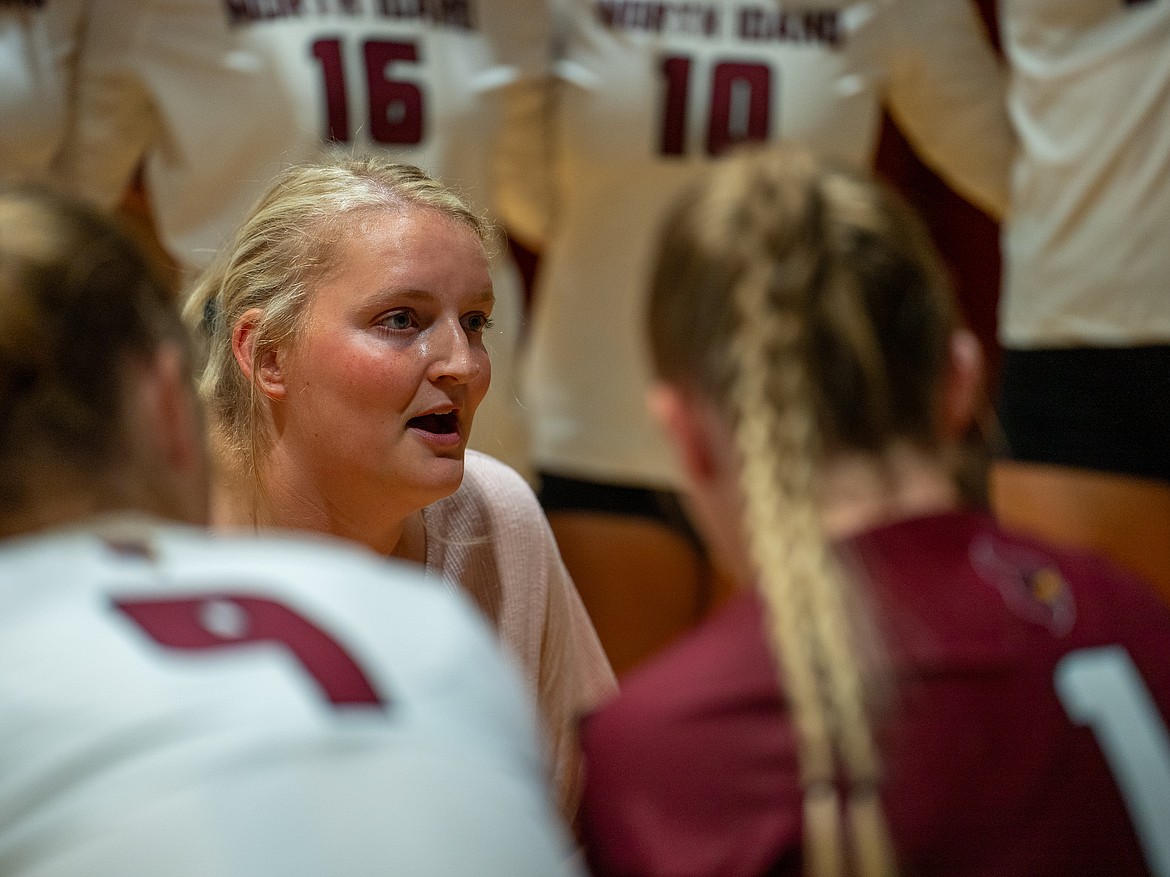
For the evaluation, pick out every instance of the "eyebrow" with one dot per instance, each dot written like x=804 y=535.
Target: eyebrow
x=378 y=299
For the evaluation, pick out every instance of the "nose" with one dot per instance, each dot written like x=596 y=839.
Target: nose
x=455 y=357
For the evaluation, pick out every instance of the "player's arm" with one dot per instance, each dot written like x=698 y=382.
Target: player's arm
x=114 y=119
x=947 y=94
x=37 y=45
x=522 y=155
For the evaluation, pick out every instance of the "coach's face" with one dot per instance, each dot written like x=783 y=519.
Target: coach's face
x=384 y=378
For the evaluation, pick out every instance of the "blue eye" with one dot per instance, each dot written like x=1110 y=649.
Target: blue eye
x=478 y=323
x=398 y=320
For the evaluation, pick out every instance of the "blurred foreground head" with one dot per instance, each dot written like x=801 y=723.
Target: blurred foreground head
x=96 y=409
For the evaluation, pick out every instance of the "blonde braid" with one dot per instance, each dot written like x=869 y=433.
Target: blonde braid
x=809 y=620
x=784 y=536
x=834 y=341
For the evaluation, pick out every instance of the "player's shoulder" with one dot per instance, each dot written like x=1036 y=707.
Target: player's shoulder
x=161 y=614
x=716 y=671
x=960 y=587
x=278 y=554
x=81 y=573
x=710 y=702
x=173 y=659
x=393 y=604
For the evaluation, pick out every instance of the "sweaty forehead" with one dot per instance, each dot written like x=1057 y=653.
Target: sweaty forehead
x=393 y=250
x=405 y=225
x=407 y=214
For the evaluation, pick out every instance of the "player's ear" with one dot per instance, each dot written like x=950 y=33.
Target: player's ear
x=165 y=426
x=170 y=406
x=962 y=390
x=260 y=365
x=686 y=423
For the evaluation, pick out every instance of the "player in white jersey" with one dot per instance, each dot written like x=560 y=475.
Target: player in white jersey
x=646 y=93
x=1085 y=311
x=37 y=48
x=174 y=703
x=217 y=96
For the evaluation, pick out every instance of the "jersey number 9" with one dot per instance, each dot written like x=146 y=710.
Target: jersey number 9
x=214 y=622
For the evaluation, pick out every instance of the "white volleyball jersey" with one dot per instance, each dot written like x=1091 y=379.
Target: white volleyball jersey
x=1086 y=252
x=649 y=93
x=173 y=703
x=37 y=45
x=218 y=96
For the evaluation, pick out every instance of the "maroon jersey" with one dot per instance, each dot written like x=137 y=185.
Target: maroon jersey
x=1026 y=735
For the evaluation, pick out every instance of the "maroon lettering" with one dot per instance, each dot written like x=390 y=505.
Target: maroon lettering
x=674 y=118
x=739 y=105
x=240 y=11
x=710 y=22
x=396 y=114
x=817 y=26
x=740 y=109
x=216 y=622
x=249 y=11
x=657 y=17
x=328 y=52
x=449 y=13
x=395 y=106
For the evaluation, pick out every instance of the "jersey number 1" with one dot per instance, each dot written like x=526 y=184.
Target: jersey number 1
x=1102 y=688
x=395 y=106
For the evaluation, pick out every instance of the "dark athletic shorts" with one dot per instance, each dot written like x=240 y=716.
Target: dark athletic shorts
x=560 y=494
x=1106 y=409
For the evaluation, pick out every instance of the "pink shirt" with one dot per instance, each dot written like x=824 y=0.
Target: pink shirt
x=492 y=537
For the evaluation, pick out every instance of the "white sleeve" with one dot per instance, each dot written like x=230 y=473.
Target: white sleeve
x=523 y=154
x=38 y=47
x=522 y=161
x=115 y=120
x=947 y=95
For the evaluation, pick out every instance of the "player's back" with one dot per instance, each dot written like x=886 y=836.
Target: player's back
x=173 y=703
x=1024 y=729
x=1028 y=731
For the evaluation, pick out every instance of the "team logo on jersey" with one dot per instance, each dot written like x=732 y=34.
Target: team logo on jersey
x=1030 y=583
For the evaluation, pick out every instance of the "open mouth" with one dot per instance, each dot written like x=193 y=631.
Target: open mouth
x=439 y=424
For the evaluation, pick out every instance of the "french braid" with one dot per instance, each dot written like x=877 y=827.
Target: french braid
x=810 y=630
x=834 y=341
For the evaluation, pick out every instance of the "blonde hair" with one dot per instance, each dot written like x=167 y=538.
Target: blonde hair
x=809 y=303
x=287 y=244
x=78 y=301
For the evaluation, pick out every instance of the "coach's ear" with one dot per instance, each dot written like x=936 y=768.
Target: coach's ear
x=261 y=366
